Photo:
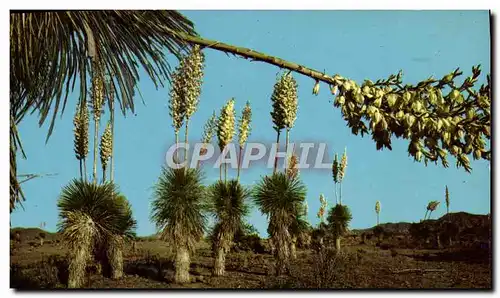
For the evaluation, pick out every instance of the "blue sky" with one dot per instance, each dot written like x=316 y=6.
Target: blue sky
x=355 y=44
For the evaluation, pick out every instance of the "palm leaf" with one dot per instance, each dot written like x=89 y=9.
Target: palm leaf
x=50 y=50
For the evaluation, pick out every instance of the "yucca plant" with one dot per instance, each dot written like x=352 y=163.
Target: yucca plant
x=177 y=212
x=298 y=228
x=377 y=210
x=229 y=209
x=431 y=206
x=225 y=129
x=339 y=218
x=278 y=197
x=284 y=100
x=106 y=149
x=92 y=218
x=447 y=198
x=81 y=136
x=244 y=129
x=97 y=104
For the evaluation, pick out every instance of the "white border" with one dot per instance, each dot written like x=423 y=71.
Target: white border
x=203 y=4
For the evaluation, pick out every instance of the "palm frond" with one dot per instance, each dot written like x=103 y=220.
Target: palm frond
x=178 y=206
x=50 y=50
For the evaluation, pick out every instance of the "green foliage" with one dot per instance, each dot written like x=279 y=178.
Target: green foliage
x=229 y=205
x=177 y=208
x=49 y=50
x=83 y=202
x=279 y=197
x=339 y=218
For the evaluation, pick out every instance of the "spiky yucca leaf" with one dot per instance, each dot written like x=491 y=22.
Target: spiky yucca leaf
x=339 y=218
x=178 y=206
x=106 y=147
x=244 y=126
x=81 y=131
x=225 y=124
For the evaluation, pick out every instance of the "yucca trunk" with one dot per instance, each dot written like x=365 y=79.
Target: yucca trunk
x=293 y=248
x=220 y=261
x=282 y=252
x=337 y=244
x=277 y=148
x=115 y=256
x=78 y=264
x=182 y=262
x=438 y=240
x=41 y=241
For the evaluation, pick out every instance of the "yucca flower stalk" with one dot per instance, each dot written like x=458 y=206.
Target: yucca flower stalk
x=342 y=170
x=244 y=129
x=293 y=167
x=175 y=106
x=106 y=149
x=81 y=136
x=290 y=107
x=209 y=131
x=281 y=114
x=447 y=197
x=322 y=208
x=97 y=104
x=335 y=173
x=111 y=103
x=431 y=206
x=192 y=77
x=225 y=129
x=377 y=210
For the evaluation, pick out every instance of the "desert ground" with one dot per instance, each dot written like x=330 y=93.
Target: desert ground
x=394 y=260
